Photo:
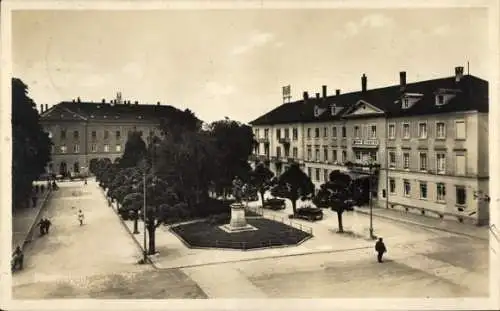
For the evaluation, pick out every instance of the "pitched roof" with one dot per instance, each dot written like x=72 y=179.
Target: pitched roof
x=472 y=95
x=83 y=111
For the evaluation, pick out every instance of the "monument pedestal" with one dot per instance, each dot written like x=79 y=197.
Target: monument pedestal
x=238 y=221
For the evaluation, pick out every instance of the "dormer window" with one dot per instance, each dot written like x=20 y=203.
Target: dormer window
x=409 y=99
x=440 y=100
x=406 y=103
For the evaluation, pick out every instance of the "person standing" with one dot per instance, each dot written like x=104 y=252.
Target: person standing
x=380 y=249
x=80 y=217
x=42 y=226
x=48 y=223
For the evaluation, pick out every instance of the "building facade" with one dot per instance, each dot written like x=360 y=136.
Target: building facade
x=82 y=131
x=429 y=140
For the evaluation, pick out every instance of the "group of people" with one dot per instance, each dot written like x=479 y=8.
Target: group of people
x=44 y=226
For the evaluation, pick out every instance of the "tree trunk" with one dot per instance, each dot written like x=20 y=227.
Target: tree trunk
x=136 y=227
x=262 y=197
x=339 y=218
x=294 y=206
x=152 y=245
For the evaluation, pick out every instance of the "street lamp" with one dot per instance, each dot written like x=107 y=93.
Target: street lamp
x=144 y=214
x=370 y=182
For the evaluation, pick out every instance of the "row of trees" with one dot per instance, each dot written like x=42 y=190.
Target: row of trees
x=30 y=144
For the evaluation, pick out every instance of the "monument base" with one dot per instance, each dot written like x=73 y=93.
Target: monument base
x=238 y=221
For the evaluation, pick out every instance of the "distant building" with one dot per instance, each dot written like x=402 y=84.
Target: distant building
x=82 y=131
x=430 y=139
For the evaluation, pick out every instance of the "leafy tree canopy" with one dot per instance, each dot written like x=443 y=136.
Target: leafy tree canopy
x=293 y=184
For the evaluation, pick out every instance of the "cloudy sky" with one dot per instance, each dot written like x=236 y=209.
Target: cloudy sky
x=233 y=62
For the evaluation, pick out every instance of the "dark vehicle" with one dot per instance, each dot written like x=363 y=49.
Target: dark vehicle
x=274 y=204
x=309 y=213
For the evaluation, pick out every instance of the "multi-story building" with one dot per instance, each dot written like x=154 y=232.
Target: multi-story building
x=428 y=138
x=82 y=131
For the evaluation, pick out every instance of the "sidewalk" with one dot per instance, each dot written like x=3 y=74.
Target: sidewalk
x=24 y=220
x=445 y=225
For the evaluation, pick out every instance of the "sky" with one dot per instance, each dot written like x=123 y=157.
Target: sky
x=233 y=63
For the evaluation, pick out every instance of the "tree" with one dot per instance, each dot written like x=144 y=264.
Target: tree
x=135 y=150
x=337 y=194
x=261 y=178
x=31 y=145
x=293 y=184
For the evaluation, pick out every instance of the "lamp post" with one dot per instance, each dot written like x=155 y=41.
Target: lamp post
x=370 y=181
x=144 y=214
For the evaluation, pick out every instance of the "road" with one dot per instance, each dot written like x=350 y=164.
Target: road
x=96 y=260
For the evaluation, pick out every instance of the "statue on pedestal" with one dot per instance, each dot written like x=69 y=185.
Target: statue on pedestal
x=237 y=189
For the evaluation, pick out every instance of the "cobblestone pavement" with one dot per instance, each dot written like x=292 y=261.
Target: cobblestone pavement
x=96 y=260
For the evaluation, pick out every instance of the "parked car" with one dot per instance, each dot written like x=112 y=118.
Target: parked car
x=274 y=204
x=309 y=213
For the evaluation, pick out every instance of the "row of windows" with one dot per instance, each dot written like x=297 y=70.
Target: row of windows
x=460 y=162
x=371 y=131
x=93 y=134
x=460 y=191
x=93 y=148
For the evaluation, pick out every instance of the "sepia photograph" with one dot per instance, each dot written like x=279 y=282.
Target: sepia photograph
x=193 y=152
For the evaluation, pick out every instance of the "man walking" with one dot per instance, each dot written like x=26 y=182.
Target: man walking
x=80 y=217
x=42 y=225
x=380 y=249
x=48 y=223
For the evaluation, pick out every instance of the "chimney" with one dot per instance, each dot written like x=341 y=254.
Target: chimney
x=363 y=83
x=459 y=73
x=324 y=91
x=46 y=107
x=402 y=80
x=41 y=108
x=137 y=102
x=333 y=109
x=317 y=96
x=78 y=99
x=305 y=96
x=103 y=101
x=337 y=92
x=158 y=103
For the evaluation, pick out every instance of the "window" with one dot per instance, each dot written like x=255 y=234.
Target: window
x=357 y=132
x=460 y=164
x=461 y=195
x=295 y=134
x=440 y=192
x=334 y=132
x=325 y=153
x=373 y=156
x=287 y=133
x=63 y=134
x=357 y=154
x=309 y=133
x=316 y=154
x=106 y=148
x=440 y=100
x=287 y=151
x=392 y=131
x=106 y=134
x=392 y=185
x=295 y=152
x=460 y=130
x=117 y=134
x=278 y=151
x=344 y=156
x=392 y=159
x=278 y=133
x=406 y=130
x=93 y=147
x=316 y=132
x=406 y=187
x=76 y=134
x=76 y=148
x=406 y=160
x=406 y=103
x=63 y=149
x=344 y=134
x=440 y=130
x=423 y=161
x=325 y=175
x=94 y=134
x=317 y=171
x=441 y=163
x=334 y=155
x=423 y=190
x=76 y=167
x=266 y=133
x=325 y=132
x=309 y=153
x=309 y=172
x=373 y=131
x=422 y=130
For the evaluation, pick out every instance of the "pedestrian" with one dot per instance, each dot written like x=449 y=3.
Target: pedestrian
x=17 y=259
x=48 y=223
x=380 y=249
x=42 y=226
x=85 y=181
x=80 y=217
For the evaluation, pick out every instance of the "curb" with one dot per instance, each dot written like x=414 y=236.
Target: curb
x=132 y=235
x=422 y=225
x=29 y=235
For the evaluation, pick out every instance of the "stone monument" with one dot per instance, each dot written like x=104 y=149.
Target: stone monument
x=238 y=222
